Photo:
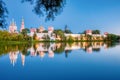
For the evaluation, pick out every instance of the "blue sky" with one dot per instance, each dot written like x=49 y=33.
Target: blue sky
x=79 y=15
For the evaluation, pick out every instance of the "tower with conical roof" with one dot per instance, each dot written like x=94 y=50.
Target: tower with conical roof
x=12 y=27
x=22 y=25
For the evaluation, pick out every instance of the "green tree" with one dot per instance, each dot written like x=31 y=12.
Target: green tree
x=70 y=39
x=6 y=36
x=34 y=36
x=112 y=37
x=3 y=14
x=25 y=31
x=45 y=31
x=84 y=32
x=89 y=37
x=67 y=30
x=95 y=31
x=47 y=8
x=59 y=33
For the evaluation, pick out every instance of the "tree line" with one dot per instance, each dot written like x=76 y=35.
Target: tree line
x=6 y=36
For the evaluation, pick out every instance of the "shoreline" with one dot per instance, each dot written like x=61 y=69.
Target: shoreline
x=35 y=41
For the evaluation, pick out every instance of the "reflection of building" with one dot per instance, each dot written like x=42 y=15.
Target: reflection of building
x=13 y=57
x=42 y=54
x=89 y=49
x=32 y=51
x=51 y=53
x=13 y=27
x=105 y=46
x=72 y=47
x=97 y=44
x=23 y=59
x=41 y=49
x=51 y=49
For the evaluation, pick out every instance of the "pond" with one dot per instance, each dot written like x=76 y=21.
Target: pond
x=60 y=61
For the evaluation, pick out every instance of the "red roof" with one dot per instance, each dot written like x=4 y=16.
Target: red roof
x=33 y=30
x=50 y=29
x=106 y=33
x=88 y=31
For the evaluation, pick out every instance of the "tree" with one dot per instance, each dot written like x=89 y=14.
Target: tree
x=47 y=8
x=34 y=36
x=59 y=33
x=84 y=32
x=89 y=37
x=95 y=31
x=45 y=31
x=67 y=30
x=25 y=31
x=3 y=14
x=70 y=39
x=112 y=37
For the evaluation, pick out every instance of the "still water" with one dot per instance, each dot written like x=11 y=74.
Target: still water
x=60 y=61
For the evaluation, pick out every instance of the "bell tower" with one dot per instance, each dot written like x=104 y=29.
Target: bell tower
x=22 y=25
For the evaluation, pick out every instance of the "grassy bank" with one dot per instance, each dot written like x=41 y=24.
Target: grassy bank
x=13 y=42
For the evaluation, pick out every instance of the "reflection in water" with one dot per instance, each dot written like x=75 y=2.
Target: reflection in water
x=13 y=57
x=50 y=49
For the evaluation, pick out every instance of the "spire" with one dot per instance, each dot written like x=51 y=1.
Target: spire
x=22 y=25
x=15 y=23
x=22 y=19
x=12 y=22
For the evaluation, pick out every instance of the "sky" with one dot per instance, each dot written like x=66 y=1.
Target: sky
x=79 y=15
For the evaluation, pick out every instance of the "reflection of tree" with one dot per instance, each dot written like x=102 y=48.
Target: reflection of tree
x=57 y=48
x=6 y=48
x=67 y=52
x=70 y=44
x=24 y=51
x=35 y=47
x=23 y=48
x=60 y=49
x=111 y=44
x=96 y=49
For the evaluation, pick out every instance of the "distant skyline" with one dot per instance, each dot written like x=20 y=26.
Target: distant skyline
x=79 y=15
